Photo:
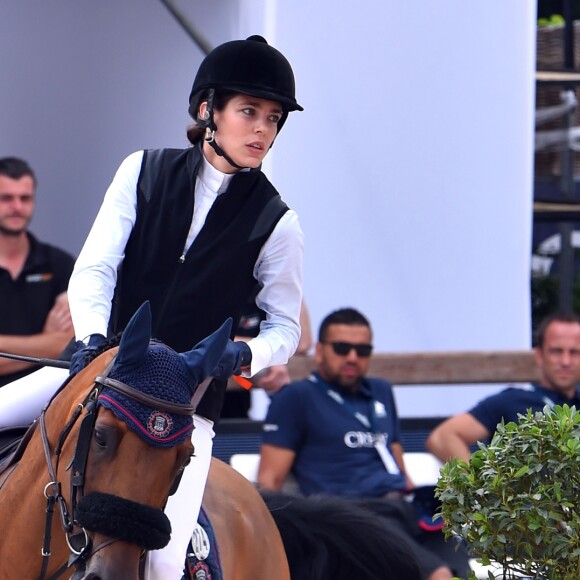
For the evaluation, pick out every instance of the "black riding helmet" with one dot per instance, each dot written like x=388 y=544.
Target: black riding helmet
x=251 y=67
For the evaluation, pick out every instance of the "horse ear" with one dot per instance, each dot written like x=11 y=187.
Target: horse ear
x=135 y=339
x=205 y=355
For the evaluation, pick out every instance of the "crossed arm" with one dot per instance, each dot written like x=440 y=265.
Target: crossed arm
x=49 y=343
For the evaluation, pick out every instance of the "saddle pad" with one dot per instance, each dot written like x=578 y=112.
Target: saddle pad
x=203 y=559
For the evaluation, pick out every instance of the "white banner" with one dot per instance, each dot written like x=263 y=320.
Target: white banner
x=411 y=170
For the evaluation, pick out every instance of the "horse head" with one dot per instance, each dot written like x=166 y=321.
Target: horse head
x=131 y=454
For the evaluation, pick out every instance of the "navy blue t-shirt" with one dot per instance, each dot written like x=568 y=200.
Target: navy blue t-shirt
x=510 y=402
x=335 y=451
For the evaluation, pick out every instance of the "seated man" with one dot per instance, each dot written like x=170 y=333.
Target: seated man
x=35 y=319
x=338 y=433
x=557 y=355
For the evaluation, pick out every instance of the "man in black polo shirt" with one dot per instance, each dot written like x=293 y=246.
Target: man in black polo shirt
x=34 y=316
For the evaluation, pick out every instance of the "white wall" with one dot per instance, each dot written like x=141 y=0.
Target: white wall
x=411 y=166
x=411 y=169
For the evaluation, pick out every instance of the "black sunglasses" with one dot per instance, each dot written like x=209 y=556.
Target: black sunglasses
x=344 y=348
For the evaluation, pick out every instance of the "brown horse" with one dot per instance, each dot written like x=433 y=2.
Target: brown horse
x=106 y=484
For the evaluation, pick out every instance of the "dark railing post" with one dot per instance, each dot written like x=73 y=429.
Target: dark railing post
x=568 y=182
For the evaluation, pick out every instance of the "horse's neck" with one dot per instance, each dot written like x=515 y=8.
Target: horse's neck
x=23 y=489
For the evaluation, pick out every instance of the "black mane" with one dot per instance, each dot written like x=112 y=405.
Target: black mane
x=107 y=344
x=328 y=538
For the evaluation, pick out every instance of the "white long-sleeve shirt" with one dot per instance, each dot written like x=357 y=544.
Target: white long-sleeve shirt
x=278 y=267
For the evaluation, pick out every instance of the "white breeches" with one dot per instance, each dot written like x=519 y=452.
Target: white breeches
x=22 y=401
x=183 y=507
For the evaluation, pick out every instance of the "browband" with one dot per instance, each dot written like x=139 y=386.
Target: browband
x=148 y=400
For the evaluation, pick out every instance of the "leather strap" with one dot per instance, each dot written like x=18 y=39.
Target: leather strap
x=148 y=400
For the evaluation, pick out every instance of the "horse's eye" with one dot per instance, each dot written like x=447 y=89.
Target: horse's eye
x=100 y=438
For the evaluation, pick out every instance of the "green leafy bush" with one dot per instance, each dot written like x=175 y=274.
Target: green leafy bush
x=517 y=501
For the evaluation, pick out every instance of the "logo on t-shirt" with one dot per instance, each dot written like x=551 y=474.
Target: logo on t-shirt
x=366 y=439
x=45 y=277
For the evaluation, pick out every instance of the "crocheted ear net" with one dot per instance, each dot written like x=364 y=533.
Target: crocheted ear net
x=165 y=376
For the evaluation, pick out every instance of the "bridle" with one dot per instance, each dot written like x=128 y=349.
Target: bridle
x=79 y=542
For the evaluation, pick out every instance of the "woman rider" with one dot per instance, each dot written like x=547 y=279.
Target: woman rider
x=192 y=231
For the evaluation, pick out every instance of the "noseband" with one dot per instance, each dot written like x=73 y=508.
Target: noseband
x=83 y=509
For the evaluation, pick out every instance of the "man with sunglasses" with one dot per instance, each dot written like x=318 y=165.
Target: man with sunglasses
x=338 y=433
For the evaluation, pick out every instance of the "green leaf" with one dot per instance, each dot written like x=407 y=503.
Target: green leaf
x=522 y=471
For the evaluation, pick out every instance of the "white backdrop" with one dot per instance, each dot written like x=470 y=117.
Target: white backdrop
x=411 y=169
x=411 y=166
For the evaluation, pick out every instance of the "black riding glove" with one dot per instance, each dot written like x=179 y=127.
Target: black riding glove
x=80 y=357
x=236 y=356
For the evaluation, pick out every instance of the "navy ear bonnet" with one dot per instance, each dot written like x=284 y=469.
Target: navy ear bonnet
x=158 y=371
x=164 y=375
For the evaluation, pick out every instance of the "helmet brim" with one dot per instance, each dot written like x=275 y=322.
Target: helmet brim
x=287 y=104
x=253 y=91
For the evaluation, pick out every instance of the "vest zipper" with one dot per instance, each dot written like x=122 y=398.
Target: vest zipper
x=169 y=294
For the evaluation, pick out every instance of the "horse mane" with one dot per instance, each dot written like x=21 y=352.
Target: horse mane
x=331 y=538
x=107 y=344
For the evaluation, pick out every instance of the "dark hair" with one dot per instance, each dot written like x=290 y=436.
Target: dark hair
x=567 y=317
x=220 y=100
x=16 y=168
x=333 y=537
x=348 y=316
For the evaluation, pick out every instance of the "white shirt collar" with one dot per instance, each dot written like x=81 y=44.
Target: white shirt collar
x=212 y=178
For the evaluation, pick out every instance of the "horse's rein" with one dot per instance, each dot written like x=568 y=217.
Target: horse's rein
x=52 y=490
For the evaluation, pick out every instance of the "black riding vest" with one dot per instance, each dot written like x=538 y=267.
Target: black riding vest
x=192 y=295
